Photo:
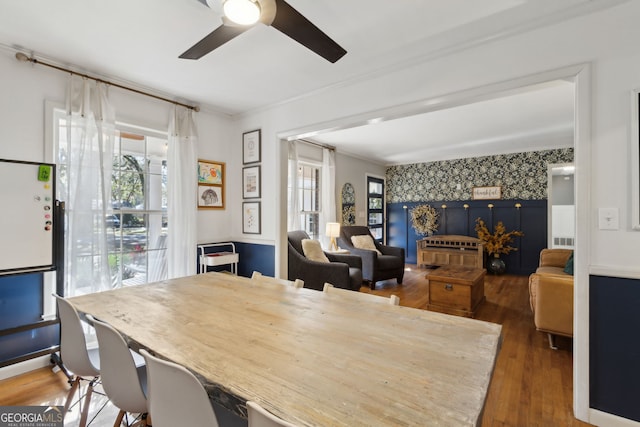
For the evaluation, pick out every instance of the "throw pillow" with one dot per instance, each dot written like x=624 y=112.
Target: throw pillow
x=568 y=268
x=364 y=241
x=313 y=251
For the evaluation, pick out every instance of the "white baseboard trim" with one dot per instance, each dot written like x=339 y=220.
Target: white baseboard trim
x=24 y=367
x=600 y=418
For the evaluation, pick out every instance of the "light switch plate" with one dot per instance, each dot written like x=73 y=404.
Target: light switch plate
x=608 y=219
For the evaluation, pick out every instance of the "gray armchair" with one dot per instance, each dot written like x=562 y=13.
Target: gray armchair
x=343 y=271
x=375 y=267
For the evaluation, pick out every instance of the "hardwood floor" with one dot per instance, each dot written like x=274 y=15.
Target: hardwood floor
x=531 y=386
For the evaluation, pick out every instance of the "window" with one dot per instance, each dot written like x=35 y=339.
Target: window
x=139 y=202
x=309 y=198
x=375 y=207
x=136 y=222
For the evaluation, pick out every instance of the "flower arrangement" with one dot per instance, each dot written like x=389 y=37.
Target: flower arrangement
x=500 y=241
x=424 y=219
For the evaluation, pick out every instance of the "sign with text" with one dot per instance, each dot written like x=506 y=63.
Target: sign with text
x=31 y=416
x=486 y=193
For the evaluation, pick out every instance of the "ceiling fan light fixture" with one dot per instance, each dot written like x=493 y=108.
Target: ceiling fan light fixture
x=242 y=12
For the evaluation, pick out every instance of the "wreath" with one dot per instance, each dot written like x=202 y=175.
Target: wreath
x=424 y=219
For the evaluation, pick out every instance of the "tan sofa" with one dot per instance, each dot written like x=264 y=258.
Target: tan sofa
x=551 y=295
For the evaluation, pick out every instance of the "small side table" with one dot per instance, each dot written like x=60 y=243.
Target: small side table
x=213 y=259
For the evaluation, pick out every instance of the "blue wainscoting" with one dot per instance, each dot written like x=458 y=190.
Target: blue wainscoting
x=614 y=347
x=530 y=218
x=256 y=257
x=21 y=305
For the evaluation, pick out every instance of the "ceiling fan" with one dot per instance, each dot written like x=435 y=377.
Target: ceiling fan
x=275 y=13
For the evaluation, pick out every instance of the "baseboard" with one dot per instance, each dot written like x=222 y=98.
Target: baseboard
x=24 y=367
x=600 y=418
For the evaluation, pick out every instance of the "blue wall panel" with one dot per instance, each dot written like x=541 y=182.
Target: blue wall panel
x=21 y=305
x=531 y=218
x=20 y=300
x=614 y=349
x=255 y=257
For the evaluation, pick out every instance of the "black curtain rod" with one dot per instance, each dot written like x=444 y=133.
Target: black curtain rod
x=318 y=144
x=24 y=58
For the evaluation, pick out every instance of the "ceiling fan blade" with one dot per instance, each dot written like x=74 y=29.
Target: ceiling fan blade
x=290 y=22
x=215 y=39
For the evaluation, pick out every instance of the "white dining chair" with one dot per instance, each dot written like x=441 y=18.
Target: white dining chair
x=298 y=283
x=260 y=417
x=175 y=396
x=82 y=362
x=123 y=378
x=360 y=296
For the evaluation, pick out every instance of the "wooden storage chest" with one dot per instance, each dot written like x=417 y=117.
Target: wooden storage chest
x=456 y=290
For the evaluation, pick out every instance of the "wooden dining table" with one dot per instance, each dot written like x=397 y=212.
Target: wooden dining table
x=311 y=358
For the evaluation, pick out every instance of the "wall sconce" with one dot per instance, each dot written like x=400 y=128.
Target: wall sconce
x=490 y=205
x=444 y=206
x=518 y=205
x=466 y=206
x=333 y=231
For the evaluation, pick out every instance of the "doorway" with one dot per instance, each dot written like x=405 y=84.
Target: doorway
x=375 y=208
x=561 y=206
x=580 y=75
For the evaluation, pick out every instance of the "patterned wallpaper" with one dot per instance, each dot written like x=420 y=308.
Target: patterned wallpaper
x=521 y=175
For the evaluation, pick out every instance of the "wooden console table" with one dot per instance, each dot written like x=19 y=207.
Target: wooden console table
x=450 y=250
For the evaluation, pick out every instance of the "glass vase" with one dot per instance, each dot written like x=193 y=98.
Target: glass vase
x=496 y=265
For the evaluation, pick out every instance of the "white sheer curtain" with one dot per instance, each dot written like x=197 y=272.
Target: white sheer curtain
x=328 y=212
x=87 y=194
x=293 y=212
x=182 y=176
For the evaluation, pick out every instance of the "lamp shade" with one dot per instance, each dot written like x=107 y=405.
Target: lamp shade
x=333 y=229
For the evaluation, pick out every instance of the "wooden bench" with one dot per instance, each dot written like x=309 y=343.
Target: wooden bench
x=450 y=250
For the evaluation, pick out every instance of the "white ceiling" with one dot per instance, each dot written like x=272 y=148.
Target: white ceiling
x=138 y=42
x=538 y=117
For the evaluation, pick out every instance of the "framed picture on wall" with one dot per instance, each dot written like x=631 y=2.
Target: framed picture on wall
x=251 y=147
x=251 y=217
x=486 y=193
x=251 y=182
x=210 y=172
x=210 y=196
